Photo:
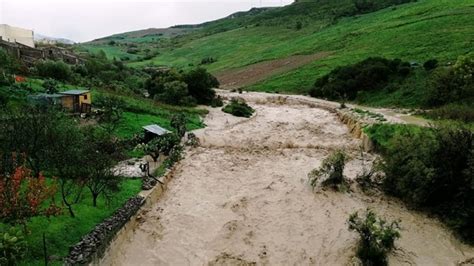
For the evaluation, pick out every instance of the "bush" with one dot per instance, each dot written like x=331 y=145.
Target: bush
x=369 y=75
x=175 y=93
x=12 y=247
x=208 y=60
x=458 y=112
x=55 y=70
x=201 y=85
x=377 y=237
x=50 y=86
x=238 y=107
x=217 y=102
x=331 y=172
x=454 y=84
x=433 y=169
x=430 y=64
x=175 y=155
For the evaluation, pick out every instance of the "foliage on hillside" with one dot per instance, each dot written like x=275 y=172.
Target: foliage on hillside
x=431 y=169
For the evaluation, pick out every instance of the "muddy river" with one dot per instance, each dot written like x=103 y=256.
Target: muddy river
x=243 y=198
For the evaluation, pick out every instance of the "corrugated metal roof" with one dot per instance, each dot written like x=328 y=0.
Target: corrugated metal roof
x=156 y=129
x=74 y=92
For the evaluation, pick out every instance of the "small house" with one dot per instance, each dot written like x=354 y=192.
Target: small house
x=154 y=131
x=77 y=101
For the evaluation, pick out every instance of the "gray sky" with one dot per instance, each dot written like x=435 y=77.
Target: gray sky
x=89 y=19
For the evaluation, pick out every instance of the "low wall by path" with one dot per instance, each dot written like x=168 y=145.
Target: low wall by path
x=150 y=197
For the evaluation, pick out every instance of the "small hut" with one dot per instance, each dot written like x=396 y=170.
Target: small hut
x=154 y=131
x=77 y=101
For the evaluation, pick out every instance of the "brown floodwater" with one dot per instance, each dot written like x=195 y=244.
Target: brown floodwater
x=242 y=198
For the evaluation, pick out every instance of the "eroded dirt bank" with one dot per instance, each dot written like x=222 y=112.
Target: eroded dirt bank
x=243 y=198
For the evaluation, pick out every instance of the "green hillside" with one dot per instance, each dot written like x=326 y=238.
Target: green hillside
x=414 y=31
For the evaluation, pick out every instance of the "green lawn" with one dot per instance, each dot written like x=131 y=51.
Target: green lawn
x=63 y=231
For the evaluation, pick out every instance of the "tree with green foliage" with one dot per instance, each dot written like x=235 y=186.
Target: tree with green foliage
x=368 y=75
x=453 y=84
x=50 y=86
x=201 y=85
x=161 y=145
x=175 y=93
x=432 y=168
x=178 y=123
x=54 y=69
x=111 y=111
x=98 y=158
x=377 y=237
x=156 y=83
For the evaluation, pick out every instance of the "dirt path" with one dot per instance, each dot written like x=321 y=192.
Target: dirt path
x=242 y=198
x=244 y=76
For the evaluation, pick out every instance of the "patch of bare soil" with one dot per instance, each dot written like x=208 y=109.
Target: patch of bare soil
x=248 y=75
x=242 y=198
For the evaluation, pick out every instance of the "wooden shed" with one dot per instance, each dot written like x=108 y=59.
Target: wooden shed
x=77 y=101
x=154 y=131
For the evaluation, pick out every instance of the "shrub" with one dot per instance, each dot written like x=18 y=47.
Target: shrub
x=433 y=169
x=299 y=25
x=430 y=64
x=238 y=107
x=178 y=123
x=217 y=102
x=156 y=83
x=454 y=84
x=377 y=237
x=175 y=155
x=175 y=93
x=201 y=85
x=458 y=112
x=331 y=171
x=193 y=140
x=12 y=246
x=368 y=75
x=50 y=86
x=55 y=70
x=208 y=60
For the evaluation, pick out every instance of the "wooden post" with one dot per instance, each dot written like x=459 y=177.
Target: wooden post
x=45 y=250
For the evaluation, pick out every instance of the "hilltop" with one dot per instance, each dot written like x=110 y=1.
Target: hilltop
x=333 y=33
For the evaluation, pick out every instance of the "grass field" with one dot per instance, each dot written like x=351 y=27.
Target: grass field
x=413 y=32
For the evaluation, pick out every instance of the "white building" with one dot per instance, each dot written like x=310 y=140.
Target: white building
x=15 y=34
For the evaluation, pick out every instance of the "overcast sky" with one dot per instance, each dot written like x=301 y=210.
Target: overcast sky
x=84 y=20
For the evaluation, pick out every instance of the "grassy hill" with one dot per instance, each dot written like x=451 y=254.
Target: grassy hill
x=414 y=31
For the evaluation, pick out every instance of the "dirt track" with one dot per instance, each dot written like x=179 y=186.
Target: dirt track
x=243 y=198
x=248 y=75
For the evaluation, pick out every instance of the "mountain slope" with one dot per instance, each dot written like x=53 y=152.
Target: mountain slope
x=412 y=31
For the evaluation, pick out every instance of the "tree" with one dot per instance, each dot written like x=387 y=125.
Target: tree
x=23 y=196
x=26 y=132
x=178 y=122
x=175 y=93
x=50 y=86
x=201 y=85
x=156 y=83
x=430 y=64
x=161 y=145
x=299 y=25
x=112 y=111
x=65 y=157
x=98 y=159
x=55 y=70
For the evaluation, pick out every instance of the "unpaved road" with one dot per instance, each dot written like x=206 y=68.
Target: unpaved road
x=242 y=197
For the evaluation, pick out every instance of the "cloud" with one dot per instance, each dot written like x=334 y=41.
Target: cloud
x=89 y=19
